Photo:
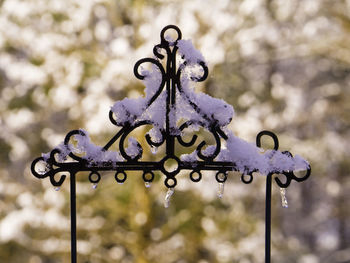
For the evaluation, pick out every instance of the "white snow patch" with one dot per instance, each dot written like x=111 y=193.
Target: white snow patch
x=92 y=152
x=189 y=52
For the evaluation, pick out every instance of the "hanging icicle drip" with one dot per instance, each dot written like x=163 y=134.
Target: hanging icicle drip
x=57 y=188
x=154 y=149
x=148 y=184
x=168 y=195
x=220 y=192
x=283 y=197
x=94 y=186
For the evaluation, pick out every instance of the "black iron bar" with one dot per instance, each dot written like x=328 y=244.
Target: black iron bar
x=268 y=219
x=73 y=219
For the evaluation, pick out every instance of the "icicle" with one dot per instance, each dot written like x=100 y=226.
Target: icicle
x=283 y=197
x=148 y=184
x=57 y=188
x=220 y=192
x=168 y=195
x=94 y=186
x=154 y=149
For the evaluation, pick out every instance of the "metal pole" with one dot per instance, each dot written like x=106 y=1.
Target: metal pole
x=268 y=219
x=73 y=219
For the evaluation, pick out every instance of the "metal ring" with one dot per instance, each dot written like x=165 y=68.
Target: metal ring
x=144 y=176
x=165 y=170
x=170 y=184
x=162 y=33
x=221 y=180
x=244 y=180
x=120 y=180
x=92 y=180
x=194 y=178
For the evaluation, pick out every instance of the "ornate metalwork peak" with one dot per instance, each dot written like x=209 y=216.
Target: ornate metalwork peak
x=66 y=158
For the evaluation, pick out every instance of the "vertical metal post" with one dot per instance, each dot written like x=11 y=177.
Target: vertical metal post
x=73 y=219
x=268 y=219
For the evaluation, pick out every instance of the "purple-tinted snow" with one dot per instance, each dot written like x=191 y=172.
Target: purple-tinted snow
x=245 y=155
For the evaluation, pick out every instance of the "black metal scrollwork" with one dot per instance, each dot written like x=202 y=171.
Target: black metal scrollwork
x=64 y=159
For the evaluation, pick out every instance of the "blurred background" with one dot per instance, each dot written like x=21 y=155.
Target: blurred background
x=284 y=66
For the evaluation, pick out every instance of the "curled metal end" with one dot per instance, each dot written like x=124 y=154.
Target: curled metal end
x=205 y=73
x=152 y=143
x=289 y=175
x=270 y=134
x=304 y=177
x=45 y=168
x=42 y=168
x=58 y=182
x=68 y=138
x=288 y=179
x=211 y=156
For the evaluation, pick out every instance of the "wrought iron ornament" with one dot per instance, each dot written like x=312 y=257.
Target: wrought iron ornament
x=65 y=159
x=171 y=85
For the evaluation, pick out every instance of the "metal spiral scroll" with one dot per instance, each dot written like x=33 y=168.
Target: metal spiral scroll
x=289 y=175
x=66 y=161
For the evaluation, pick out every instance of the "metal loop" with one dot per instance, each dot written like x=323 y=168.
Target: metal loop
x=187 y=144
x=152 y=143
x=221 y=176
x=66 y=143
x=170 y=182
x=268 y=133
x=117 y=177
x=193 y=139
x=145 y=60
x=205 y=73
x=59 y=182
x=288 y=175
x=195 y=176
x=303 y=178
x=123 y=151
x=217 y=148
x=37 y=173
x=156 y=52
x=162 y=33
x=249 y=180
x=145 y=176
x=112 y=120
x=94 y=180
